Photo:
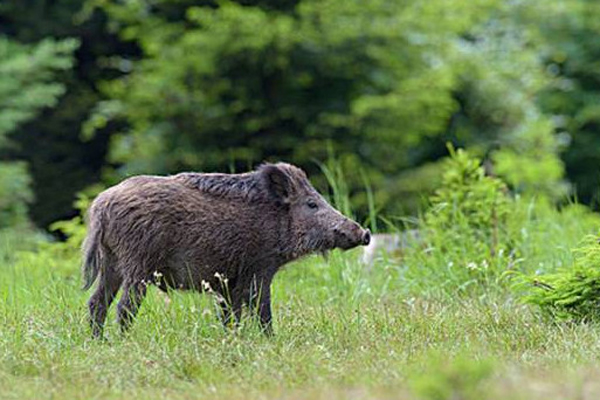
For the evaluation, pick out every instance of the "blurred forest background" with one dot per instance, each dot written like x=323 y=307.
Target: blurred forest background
x=91 y=92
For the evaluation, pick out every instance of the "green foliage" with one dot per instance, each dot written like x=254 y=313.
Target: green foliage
x=470 y=221
x=60 y=162
x=571 y=52
x=74 y=230
x=15 y=194
x=32 y=71
x=497 y=115
x=16 y=240
x=467 y=194
x=570 y=293
x=27 y=85
x=65 y=255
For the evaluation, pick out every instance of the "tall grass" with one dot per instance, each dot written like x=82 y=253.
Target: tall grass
x=340 y=332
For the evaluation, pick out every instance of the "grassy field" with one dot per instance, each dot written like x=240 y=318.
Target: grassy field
x=342 y=331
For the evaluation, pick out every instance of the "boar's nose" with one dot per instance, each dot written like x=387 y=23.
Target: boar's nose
x=366 y=239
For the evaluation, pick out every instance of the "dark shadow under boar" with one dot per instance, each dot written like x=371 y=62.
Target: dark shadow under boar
x=226 y=233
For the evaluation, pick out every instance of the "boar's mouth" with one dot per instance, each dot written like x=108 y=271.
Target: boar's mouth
x=348 y=240
x=345 y=244
x=316 y=242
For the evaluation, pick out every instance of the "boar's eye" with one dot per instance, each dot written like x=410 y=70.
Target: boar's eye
x=312 y=204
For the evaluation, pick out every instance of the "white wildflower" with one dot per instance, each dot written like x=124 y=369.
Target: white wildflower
x=220 y=299
x=472 y=266
x=206 y=286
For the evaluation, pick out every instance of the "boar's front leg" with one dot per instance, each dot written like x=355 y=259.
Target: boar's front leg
x=231 y=311
x=260 y=302
x=230 y=301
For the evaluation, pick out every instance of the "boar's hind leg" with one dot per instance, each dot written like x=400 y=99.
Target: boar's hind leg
x=131 y=299
x=101 y=299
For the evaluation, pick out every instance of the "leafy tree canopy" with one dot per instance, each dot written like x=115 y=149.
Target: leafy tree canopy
x=233 y=84
x=27 y=85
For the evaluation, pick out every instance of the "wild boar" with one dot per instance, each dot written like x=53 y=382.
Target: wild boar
x=226 y=233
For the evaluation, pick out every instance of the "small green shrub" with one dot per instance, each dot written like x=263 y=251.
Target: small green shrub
x=471 y=229
x=467 y=195
x=64 y=256
x=570 y=293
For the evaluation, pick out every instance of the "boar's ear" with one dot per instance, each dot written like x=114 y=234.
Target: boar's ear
x=278 y=182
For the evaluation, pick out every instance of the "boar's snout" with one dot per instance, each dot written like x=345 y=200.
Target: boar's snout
x=366 y=239
x=349 y=234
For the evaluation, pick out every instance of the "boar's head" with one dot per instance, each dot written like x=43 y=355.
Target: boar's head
x=314 y=225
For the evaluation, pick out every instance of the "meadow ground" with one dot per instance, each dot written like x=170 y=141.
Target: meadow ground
x=342 y=331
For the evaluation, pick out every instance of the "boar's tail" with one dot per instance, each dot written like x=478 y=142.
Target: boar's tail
x=92 y=256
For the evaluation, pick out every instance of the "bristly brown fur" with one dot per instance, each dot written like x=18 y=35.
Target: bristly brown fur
x=249 y=185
